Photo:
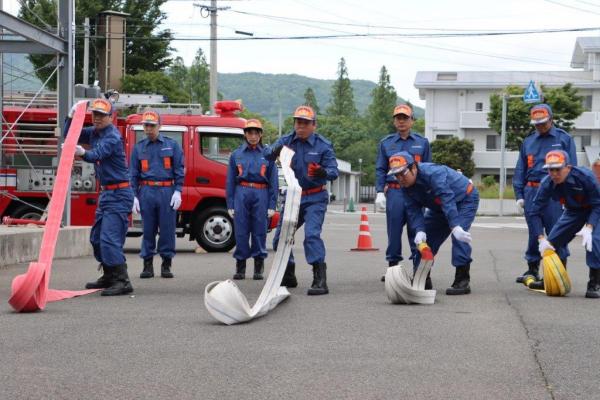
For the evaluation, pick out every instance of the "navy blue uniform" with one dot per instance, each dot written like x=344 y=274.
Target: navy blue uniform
x=157 y=170
x=526 y=181
x=395 y=212
x=451 y=200
x=580 y=196
x=315 y=149
x=252 y=186
x=107 y=153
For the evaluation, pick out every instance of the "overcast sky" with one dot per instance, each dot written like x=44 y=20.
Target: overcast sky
x=402 y=56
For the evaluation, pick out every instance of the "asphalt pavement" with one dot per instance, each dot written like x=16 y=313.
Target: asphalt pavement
x=500 y=342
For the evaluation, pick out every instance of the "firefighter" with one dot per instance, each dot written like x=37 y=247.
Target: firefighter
x=107 y=237
x=577 y=189
x=252 y=186
x=314 y=164
x=389 y=196
x=157 y=172
x=451 y=201
x=528 y=174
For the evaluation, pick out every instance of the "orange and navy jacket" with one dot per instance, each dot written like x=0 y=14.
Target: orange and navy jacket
x=532 y=156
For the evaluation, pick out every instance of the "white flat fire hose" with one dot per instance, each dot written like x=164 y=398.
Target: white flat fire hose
x=402 y=287
x=225 y=301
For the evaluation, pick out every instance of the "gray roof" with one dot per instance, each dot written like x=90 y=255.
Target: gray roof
x=500 y=79
x=583 y=45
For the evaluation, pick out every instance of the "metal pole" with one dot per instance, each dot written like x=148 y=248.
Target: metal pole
x=502 y=153
x=66 y=19
x=213 y=55
x=86 y=50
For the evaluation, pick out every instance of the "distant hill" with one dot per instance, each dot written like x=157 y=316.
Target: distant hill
x=260 y=92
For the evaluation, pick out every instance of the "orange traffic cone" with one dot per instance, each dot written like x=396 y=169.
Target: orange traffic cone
x=364 y=235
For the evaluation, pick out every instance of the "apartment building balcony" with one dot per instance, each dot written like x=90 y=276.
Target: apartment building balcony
x=473 y=120
x=588 y=120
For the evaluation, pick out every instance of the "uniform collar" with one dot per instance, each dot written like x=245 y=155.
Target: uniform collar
x=410 y=136
x=246 y=146
x=551 y=132
x=159 y=138
x=311 y=139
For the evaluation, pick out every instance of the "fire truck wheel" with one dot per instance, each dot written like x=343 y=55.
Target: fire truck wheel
x=26 y=212
x=213 y=229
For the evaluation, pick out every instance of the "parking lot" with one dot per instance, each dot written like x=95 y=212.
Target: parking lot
x=500 y=342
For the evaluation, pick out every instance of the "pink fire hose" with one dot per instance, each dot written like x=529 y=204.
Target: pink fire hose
x=30 y=291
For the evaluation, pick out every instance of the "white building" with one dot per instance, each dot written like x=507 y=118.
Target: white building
x=457 y=104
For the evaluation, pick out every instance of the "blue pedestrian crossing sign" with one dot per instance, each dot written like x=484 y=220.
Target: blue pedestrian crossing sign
x=531 y=95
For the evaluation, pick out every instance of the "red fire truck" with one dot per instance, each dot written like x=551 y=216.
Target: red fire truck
x=29 y=159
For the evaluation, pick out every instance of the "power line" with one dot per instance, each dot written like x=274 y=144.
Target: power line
x=572 y=7
x=367 y=35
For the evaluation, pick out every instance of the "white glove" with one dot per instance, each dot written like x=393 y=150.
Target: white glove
x=586 y=237
x=462 y=235
x=544 y=245
x=420 y=237
x=176 y=200
x=79 y=150
x=231 y=212
x=136 y=206
x=270 y=213
x=380 y=201
x=521 y=204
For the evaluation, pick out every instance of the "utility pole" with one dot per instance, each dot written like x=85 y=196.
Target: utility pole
x=213 y=85
x=86 y=50
x=213 y=55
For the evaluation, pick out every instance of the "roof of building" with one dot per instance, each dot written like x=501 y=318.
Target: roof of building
x=500 y=79
x=584 y=45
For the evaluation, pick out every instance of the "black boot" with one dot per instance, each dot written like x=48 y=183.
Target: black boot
x=240 y=270
x=593 y=288
x=120 y=283
x=390 y=264
x=259 y=266
x=533 y=270
x=428 y=283
x=319 y=285
x=148 y=271
x=289 y=277
x=165 y=268
x=461 y=281
x=104 y=281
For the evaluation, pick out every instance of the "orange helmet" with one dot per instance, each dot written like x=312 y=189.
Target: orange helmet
x=305 y=112
x=101 y=106
x=253 y=124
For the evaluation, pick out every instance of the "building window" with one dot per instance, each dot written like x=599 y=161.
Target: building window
x=443 y=137
x=446 y=76
x=581 y=141
x=492 y=142
x=478 y=106
x=586 y=102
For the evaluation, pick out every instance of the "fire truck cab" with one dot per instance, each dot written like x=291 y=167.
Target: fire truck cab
x=29 y=159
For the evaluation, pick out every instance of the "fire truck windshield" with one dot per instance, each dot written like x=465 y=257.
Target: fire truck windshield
x=173 y=132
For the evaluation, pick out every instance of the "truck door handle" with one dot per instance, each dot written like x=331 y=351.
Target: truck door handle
x=202 y=179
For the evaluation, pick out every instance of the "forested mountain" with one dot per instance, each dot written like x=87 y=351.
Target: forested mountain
x=261 y=93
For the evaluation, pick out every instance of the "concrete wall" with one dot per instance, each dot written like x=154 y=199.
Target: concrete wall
x=18 y=245
x=492 y=207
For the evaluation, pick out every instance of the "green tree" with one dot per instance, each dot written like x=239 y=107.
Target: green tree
x=311 y=100
x=419 y=126
x=155 y=82
x=342 y=95
x=565 y=102
x=147 y=47
x=379 y=113
x=199 y=76
x=455 y=153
